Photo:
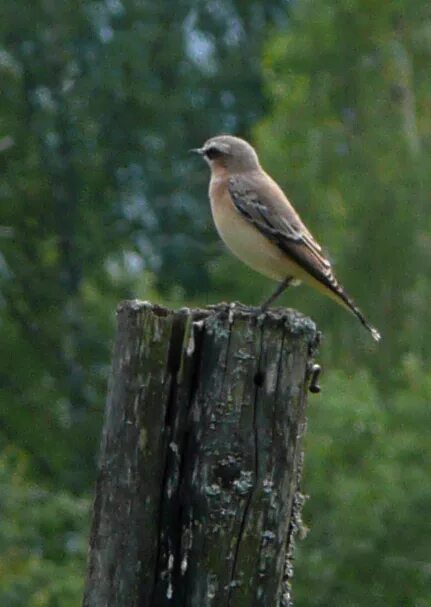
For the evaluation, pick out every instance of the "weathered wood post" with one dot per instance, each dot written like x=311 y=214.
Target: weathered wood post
x=198 y=492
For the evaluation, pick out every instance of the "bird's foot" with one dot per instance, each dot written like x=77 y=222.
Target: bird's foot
x=278 y=291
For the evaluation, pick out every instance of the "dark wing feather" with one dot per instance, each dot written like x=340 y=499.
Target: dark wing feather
x=281 y=225
x=259 y=201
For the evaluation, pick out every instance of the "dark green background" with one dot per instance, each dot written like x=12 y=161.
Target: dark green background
x=100 y=201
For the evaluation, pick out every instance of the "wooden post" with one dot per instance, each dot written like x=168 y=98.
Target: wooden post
x=197 y=498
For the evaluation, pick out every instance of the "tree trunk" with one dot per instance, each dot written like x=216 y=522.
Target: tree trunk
x=197 y=499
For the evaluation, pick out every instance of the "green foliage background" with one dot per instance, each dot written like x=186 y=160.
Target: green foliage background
x=99 y=201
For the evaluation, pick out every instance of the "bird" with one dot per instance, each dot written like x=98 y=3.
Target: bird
x=256 y=221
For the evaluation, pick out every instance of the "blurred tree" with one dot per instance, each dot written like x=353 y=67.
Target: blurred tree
x=100 y=201
x=42 y=537
x=367 y=471
x=349 y=136
x=101 y=101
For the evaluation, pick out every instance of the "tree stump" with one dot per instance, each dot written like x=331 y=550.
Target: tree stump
x=197 y=498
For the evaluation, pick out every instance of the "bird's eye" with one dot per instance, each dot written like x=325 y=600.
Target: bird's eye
x=213 y=153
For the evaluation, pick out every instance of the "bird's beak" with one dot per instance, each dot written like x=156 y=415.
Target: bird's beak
x=199 y=151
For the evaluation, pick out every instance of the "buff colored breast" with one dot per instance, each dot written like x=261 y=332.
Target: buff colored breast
x=243 y=239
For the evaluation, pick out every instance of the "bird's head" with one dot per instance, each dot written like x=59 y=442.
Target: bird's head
x=227 y=152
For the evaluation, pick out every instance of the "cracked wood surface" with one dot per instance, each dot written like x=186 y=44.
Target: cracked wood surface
x=197 y=498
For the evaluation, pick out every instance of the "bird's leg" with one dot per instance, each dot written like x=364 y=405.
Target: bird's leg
x=278 y=291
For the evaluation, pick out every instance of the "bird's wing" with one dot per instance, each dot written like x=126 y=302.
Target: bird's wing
x=261 y=202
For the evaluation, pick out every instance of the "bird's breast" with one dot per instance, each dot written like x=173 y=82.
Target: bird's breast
x=242 y=238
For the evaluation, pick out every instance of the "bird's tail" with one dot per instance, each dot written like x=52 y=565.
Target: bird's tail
x=348 y=303
x=323 y=279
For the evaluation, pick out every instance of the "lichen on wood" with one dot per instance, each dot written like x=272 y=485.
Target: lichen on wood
x=198 y=496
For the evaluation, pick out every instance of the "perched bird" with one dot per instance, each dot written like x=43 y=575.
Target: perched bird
x=260 y=226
